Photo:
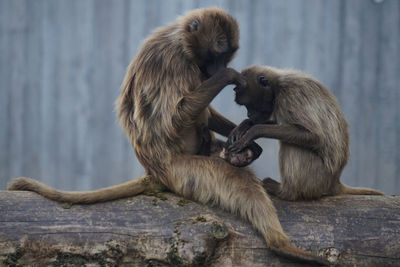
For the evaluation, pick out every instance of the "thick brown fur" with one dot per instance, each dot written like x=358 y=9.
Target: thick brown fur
x=311 y=128
x=164 y=106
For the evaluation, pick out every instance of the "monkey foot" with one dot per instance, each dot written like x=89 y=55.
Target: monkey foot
x=241 y=159
x=271 y=186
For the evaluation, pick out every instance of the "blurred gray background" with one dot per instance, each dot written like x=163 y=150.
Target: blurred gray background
x=62 y=63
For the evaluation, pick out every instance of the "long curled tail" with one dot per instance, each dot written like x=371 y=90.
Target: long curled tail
x=344 y=189
x=131 y=188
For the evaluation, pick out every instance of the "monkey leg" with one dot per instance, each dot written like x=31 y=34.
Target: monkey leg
x=131 y=188
x=275 y=188
x=210 y=180
x=291 y=193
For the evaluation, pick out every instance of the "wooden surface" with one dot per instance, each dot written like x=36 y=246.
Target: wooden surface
x=62 y=63
x=164 y=229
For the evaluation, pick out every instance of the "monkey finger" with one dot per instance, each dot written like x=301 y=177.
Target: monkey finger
x=223 y=154
x=241 y=82
x=256 y=149
x=236 y=135
x=236 y=147
x=232 y=139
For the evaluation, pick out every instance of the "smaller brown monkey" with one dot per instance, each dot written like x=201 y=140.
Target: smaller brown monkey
x=311 y=128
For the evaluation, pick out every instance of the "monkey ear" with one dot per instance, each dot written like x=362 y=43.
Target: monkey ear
x=194 y=26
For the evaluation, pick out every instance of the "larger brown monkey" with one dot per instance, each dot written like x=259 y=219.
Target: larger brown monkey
x=163 y=108
x=311 y=128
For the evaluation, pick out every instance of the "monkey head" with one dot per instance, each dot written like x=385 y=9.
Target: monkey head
x=210 y=38
x=259 y=94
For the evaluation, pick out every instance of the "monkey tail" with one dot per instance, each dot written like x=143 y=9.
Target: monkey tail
x=291 y=252
x=127 y=189
x=279 y=243
x=348 y=190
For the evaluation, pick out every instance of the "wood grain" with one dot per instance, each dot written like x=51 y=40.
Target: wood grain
x=164 y=230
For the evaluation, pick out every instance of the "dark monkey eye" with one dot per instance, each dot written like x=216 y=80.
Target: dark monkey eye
x=263 y=81
x=194 y=26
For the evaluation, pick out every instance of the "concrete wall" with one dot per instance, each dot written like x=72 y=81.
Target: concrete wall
x=62 y=62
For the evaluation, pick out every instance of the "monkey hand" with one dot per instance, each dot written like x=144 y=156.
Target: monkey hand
x=244 y=157
x=239 y=145
x=232 y=77
x=239 y=131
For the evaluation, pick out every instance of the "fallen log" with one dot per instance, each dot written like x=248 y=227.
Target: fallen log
x=162 y=229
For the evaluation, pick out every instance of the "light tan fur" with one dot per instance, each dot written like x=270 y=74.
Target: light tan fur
x=311 y=129
x=163 y=108
x=131 y=188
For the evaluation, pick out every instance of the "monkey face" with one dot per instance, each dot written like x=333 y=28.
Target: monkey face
x=210 y=39
x=258 y=95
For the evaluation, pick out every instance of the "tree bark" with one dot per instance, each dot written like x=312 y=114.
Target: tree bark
x=162 y=229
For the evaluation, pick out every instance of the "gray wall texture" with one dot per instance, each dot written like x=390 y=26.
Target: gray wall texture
x=62 y=63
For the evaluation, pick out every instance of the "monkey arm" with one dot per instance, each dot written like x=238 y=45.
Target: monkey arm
x=192 y=105
x=219 y=124
x=287 y=133
x=240 y=130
